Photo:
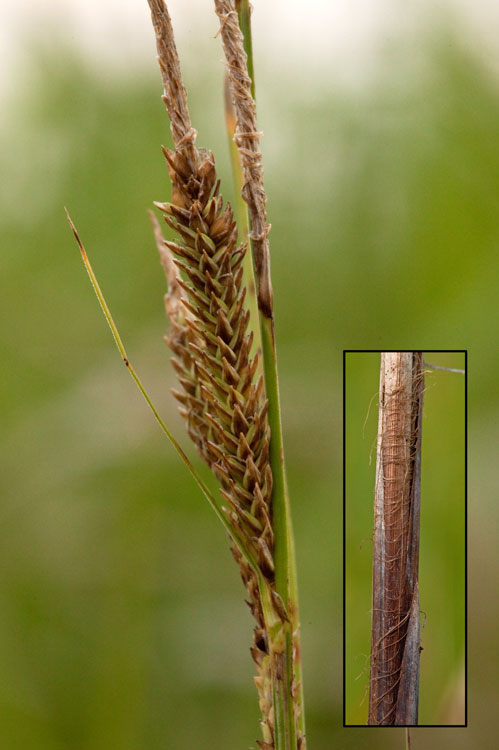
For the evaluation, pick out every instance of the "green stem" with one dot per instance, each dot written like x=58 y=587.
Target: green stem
x=284 y=553
x=284 y=642
x=244 y=15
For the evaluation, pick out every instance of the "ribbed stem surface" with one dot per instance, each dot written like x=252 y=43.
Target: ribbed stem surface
x=395 y=620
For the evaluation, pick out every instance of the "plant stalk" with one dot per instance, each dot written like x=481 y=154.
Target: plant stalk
x=394 y=680
x=284 y=640
x=244 y=15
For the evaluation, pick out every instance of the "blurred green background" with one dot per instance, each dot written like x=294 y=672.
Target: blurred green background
x=122 y=621
x=442 y=551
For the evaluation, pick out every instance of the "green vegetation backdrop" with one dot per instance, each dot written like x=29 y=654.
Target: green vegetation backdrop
x=122 y=621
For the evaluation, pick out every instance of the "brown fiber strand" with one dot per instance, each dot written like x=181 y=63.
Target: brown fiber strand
x=395 y=630
x=221 y=399
x=174 y=96
x=247 y=139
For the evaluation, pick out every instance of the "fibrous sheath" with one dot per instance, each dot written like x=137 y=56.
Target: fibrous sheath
x=394 y=676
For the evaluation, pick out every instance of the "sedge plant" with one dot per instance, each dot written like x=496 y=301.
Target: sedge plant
x=220 y=309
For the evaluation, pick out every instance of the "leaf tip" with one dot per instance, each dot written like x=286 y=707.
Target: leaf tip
x=77 y=236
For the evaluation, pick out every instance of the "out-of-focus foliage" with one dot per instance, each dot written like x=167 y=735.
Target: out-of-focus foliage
x=442 y=550
x=122 y=622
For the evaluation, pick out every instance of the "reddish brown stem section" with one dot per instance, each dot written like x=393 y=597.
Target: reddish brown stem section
x=394 y=680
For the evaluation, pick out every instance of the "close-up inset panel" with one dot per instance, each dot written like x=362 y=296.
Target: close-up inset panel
x=404 y=537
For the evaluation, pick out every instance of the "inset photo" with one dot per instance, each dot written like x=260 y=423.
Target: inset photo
x=404 y=538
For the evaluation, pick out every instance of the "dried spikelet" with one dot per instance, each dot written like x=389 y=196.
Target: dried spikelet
x=224 y=407
x=247 y=139
x=221 y=399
